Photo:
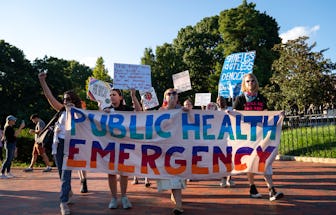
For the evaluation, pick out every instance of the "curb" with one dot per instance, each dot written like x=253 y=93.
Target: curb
x=305 y=159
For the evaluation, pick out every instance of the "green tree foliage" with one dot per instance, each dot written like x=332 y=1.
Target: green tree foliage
x=62 y=75
x=100 y=72
x=300 y=77
x=246 y=29
x=200 y=53
x=201 y=49
x=17 y=86
x=164 y=64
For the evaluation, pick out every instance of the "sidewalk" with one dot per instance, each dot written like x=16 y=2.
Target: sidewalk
x=309 y=188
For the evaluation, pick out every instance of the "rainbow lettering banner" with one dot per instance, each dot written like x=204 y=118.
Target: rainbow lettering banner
x=165 y=144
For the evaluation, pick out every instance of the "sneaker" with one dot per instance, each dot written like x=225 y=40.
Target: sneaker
x=178 y=211
x=84 y=188
x=230 y=183
x=254 y=192
x=226 y=182
x=125 y=202
x=223 y=182
x=28 y=169
x=10 y=175
x=113 y=203
x=65 y=210
x=48 y=169
x=273 y=195
x=135 y=181
x=3 y=176
x=70 y=200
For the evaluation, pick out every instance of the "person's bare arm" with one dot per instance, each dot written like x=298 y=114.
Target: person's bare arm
x=48 y=94
x=136 y=103
x=18 y=131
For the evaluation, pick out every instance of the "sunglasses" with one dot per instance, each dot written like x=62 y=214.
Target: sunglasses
x=67 y=99
x=248 y=81
x=171 y=93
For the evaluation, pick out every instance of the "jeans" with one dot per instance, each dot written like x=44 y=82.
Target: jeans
x=65 y=175
x=10 y=150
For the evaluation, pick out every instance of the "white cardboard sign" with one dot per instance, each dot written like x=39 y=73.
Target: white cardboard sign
x=130 y=76
x=182 y=81
x=202 y=99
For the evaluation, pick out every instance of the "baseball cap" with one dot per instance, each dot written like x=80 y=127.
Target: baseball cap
x=11 y=117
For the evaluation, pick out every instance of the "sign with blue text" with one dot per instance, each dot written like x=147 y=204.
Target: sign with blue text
x=174 y=143
x=234 y=68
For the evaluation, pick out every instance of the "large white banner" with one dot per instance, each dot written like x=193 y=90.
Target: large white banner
x=164 y=144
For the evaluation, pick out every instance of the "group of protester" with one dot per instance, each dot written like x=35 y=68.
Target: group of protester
x=250 y=100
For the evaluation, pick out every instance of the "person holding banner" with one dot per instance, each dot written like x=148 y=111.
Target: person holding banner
x=222 y=106
x=188 y=104
x=170 y=101
x=117 y=101
x=252 y=100
x=70 y=98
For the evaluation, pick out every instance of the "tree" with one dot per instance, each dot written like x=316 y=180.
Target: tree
x=200 y=53
x=245 y=29
x=17 y=86
x=300 y=77
x=63 y=75
x=100 y=72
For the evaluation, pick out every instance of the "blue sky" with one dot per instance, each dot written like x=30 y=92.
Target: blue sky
x=120 y=30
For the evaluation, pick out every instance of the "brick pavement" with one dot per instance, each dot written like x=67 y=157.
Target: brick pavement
x=310 y=188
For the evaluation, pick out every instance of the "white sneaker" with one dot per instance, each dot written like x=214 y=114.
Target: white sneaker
x=3 y=176
x=65 y=210
x=10 y=175
x=125 y=202
x=113 y=203
x=223 y=182
x=230 y=183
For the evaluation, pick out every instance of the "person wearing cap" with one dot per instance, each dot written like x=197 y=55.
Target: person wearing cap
x=9 y=138
x=38 y=149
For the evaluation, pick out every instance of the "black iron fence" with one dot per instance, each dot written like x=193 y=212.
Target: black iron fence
x=309 y=135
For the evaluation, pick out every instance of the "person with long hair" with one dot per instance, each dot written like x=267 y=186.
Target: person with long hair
x=170 y=101
x=70 y=98
x=9 y=138
x=252 y=100
x=117 y=101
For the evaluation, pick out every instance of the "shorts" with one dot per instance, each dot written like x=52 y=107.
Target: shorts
x=38 y=149
x=168 y=184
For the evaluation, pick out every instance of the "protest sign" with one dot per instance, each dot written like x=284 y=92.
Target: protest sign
x=168 y=144
x=99 y=91
x=129 y=76
x=181 y=81
x=148 y=98
x=202 y=99
x=234 y=68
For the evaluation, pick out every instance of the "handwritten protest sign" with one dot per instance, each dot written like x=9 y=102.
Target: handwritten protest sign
x=148 y=98
x=182 y=81
x=202 y=99
x=165 y=144
x=128 y=76
x=234 y=68
x=99 y=91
